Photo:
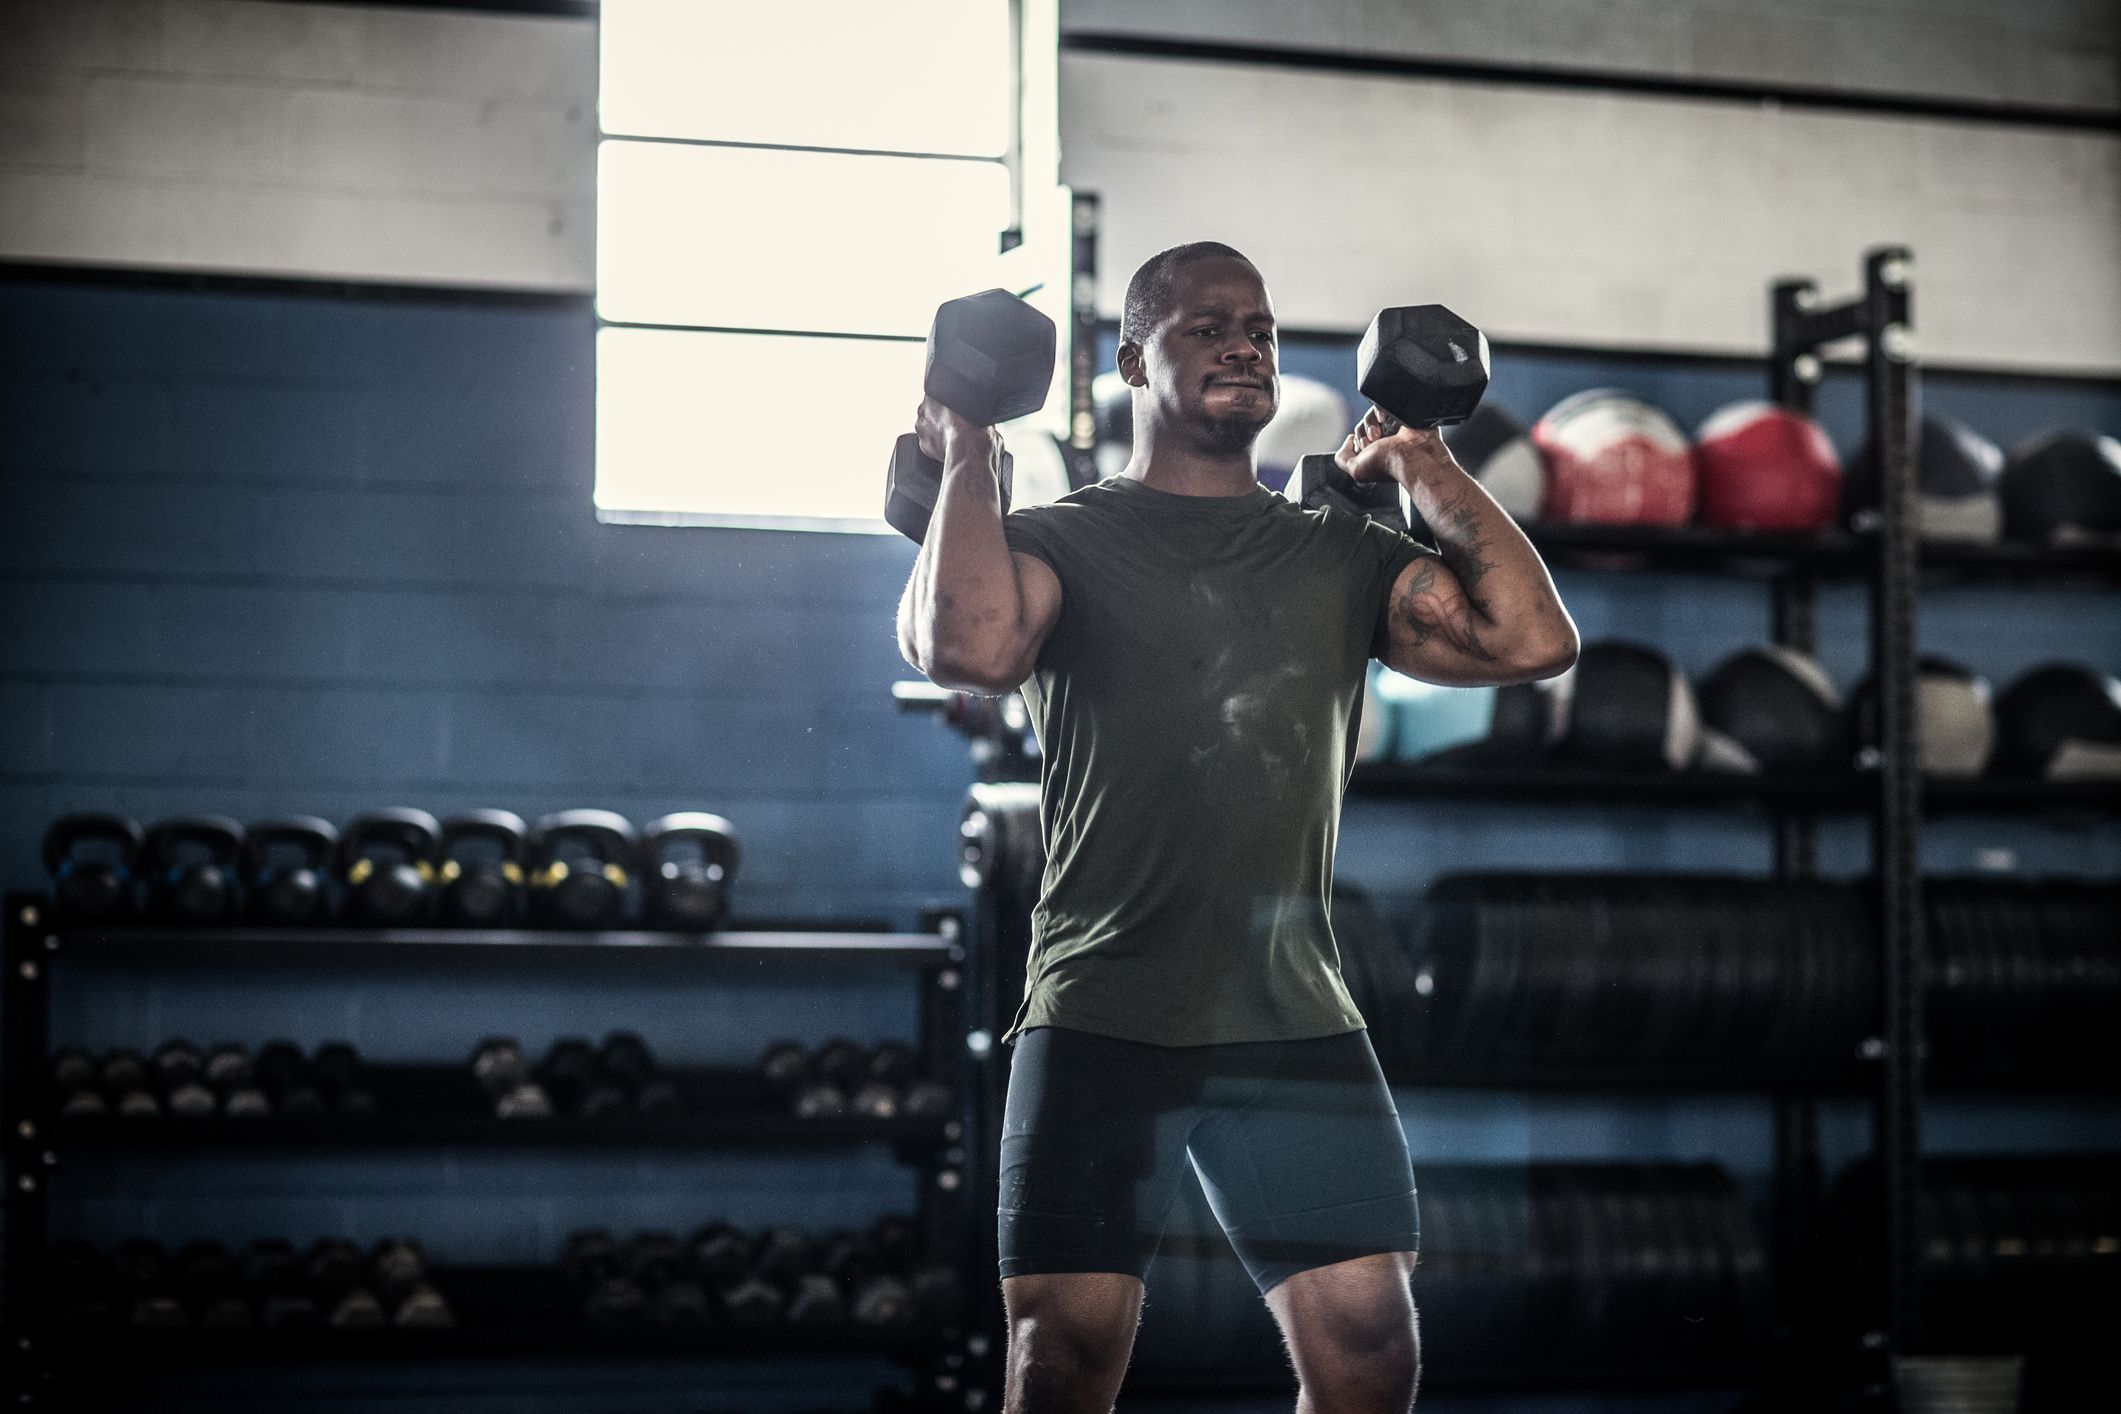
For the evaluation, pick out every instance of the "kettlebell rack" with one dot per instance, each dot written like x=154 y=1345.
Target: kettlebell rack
x=530 y=1311
x=1001 y=854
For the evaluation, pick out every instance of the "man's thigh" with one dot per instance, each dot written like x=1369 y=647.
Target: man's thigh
x=1093 y=1149
x=1307 y=1166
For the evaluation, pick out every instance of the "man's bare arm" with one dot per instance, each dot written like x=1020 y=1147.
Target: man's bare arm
x=974 y=613
x=1483 y=610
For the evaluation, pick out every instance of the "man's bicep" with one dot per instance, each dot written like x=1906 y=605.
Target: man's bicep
x=1431 y=630
x=1040 y=589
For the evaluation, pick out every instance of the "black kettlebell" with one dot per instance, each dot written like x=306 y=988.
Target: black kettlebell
x=578 y=877
x=95 y=887
x=286 y=868
x=191 y=861
x=481 y=870
x=386 y=858
x=688 y=862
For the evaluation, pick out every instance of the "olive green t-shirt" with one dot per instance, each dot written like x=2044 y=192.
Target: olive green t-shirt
x=1196 y=704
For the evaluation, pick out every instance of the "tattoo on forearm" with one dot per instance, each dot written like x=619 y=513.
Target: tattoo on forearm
x=1426 y=606
x=1462 y=546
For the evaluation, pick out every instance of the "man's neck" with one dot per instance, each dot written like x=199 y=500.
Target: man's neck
x=1186 y=471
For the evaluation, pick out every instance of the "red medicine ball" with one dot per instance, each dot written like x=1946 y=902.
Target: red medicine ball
x=1615 y=460
x=1766 y=468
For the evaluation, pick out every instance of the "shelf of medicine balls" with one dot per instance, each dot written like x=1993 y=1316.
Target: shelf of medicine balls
x=1826 y=555
x=1821 y=794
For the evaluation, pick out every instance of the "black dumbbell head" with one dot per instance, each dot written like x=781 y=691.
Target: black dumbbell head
x=626 y=1056
x=1423 y=364
x=423 y=1308
x=720 y=1254
x=591 y=1256
x=815 y=1303
x=990 y=357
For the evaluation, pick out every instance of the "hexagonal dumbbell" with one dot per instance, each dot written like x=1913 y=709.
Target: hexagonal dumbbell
x=1421 y=364
x=990 y=359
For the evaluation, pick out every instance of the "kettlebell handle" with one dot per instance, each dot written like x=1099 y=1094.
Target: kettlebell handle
x=70 y=830
x=413 y=832
x=317 y=839
x=221 y=837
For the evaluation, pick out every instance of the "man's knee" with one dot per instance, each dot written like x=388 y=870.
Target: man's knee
x=1072 y=1325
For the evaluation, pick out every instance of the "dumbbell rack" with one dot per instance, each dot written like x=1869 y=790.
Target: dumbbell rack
x=539 y=1319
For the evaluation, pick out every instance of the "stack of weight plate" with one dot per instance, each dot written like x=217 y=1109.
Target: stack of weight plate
x=1552 y=1267
x=1632 y=972
x=1946 y=1384
x=2019 y=1256
x=2025 y=978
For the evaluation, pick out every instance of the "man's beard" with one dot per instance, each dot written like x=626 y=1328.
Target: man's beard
x=1231 y=432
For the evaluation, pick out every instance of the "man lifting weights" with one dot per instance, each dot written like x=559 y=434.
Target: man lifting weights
x=1192 y=648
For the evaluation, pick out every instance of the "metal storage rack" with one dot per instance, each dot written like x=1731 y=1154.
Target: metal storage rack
x=45 y=1368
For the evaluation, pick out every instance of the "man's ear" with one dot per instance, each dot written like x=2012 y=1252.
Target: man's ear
x=1130 y=364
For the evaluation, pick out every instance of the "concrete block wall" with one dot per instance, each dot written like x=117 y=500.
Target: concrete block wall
x=429 y=146
x=333 y=555
x=1598 y=219
x=349 y=141
x=2042 y=53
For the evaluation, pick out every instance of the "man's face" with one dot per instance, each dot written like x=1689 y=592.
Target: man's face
x=1210 y=365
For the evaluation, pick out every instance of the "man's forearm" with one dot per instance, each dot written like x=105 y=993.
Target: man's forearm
x=965 y=597
x=1506 y=584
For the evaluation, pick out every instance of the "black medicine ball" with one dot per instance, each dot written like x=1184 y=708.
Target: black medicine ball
x=1956 y=470
x=1628 y=708
x=2063 y=488
x=1780 y=707
x=2061 y=721
x=1496 y=451
x=1953 y=717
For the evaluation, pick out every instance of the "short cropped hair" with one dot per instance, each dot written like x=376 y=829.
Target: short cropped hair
x=1149 y=292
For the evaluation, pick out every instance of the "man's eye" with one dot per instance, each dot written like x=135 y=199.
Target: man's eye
x=1267 y=334
x=1205 y=329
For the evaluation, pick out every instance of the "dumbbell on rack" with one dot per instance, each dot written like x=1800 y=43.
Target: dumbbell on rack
x=620 y=1076
x=777 y=1277
x=842 y=1079
x=206 y=1287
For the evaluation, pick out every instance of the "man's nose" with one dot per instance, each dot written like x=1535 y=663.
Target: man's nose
x=1241 y=351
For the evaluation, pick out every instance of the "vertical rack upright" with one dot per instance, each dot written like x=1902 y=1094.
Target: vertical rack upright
x=1880 y=317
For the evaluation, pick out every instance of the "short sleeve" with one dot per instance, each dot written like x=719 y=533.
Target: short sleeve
x=1386 y=553
x=1030 y=532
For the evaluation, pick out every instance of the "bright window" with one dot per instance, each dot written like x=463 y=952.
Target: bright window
x=785 y=192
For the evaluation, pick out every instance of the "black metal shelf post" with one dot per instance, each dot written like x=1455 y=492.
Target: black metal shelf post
x=1881 y=318
x=25 y=993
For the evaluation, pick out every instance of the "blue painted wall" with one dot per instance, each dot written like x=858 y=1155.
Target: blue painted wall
x=269 y=553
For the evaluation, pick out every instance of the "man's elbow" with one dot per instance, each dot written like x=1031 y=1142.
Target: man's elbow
x=963 y=670
x=1546 y=658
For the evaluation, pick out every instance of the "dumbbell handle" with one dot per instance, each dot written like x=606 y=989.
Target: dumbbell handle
x=1318 y=482
x=915 y=480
